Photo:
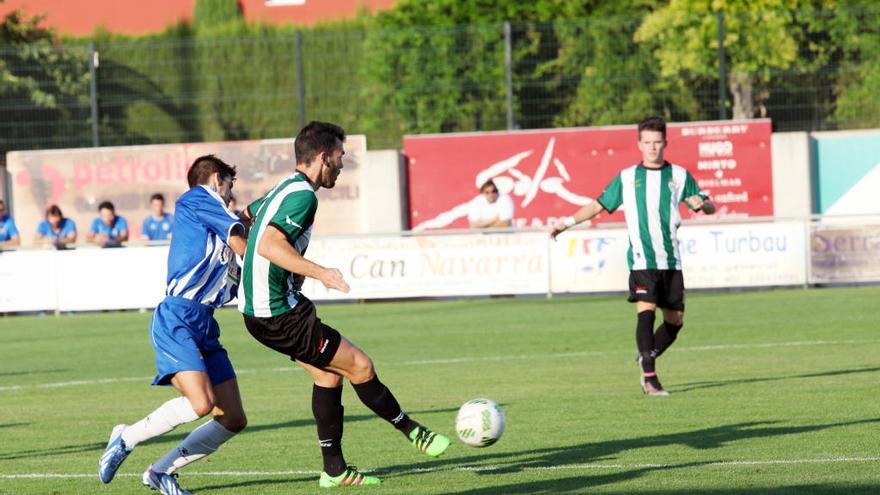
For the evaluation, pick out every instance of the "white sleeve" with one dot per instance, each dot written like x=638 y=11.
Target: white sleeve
x=505 y=208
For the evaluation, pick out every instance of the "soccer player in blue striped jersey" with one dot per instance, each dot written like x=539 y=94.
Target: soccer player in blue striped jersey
x=650 y=193
x=202 y=275
x=280 y=317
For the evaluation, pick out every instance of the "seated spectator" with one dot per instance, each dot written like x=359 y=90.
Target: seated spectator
x=56 y=230
x=157 y=226
x=108 y=229
x=490 y=209
x=8 y=231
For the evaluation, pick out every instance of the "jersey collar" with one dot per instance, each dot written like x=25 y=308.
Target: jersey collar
x=665 y=164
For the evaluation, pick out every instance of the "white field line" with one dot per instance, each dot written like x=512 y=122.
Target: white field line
x=512 y=357
x=565 y=467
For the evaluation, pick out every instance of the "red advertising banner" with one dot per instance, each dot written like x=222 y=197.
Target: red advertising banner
x=551 y=173
x=77 y=180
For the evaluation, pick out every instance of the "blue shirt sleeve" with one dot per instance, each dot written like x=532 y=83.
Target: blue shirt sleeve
x=96 y=226
x=68 y=227
x=217 y=218
x=121 y=224
x=43 y=229
x=11 y=229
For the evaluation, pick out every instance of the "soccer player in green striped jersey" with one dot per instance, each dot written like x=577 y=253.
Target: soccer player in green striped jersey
x=649 y=193
x=278 y=315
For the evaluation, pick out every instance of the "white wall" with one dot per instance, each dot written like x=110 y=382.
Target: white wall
x=792 y=182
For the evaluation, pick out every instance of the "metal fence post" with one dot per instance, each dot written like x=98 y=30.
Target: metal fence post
x=93 y=92
x=508 y=74
x=300 y=81
x=722 y=69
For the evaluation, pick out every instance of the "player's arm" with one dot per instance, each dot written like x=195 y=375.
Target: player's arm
x=476 y=224
x=237 y=241
x=696 y=199
x=582 y=215
x=274 y=247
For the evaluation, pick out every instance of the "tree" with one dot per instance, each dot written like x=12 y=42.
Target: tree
x=760 y=36
x=44 y=95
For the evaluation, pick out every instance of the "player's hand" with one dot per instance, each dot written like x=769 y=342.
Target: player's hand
x=695 y=202
x=557 y=229
x=332 y=279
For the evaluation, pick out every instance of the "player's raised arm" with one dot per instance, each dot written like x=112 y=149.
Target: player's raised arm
x=582 y=215
x=274 y=247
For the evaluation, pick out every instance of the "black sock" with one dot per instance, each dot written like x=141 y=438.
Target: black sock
x=645 y=339
x=375 y=395
x=328 y=411
x=665 y=336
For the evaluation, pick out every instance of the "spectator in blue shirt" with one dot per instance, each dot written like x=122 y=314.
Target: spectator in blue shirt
x=157 y=226
x=109 y=229
x=56 y=230
x=8 y=231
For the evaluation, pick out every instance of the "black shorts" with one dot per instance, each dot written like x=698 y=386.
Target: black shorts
x=665 y=288
x=298 y=333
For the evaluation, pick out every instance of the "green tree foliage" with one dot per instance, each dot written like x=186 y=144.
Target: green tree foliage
x=854 y=29
x=44 y=89
x=213 y=13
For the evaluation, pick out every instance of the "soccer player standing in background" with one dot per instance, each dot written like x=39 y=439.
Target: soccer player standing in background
x=650 y=193
x=278 y=315
x=185 y=336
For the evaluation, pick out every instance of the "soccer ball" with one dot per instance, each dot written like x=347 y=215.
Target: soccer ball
x=480 y=422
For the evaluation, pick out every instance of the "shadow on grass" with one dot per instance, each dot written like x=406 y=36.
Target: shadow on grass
x=252 y=485
x=13 y=425
x=687 y=387
x=33 y=372
x=492 y=464
x=175 y=438
x=580 y=483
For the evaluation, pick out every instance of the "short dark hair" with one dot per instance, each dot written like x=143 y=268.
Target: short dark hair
x=54 y=210
x=106 y=205
x=653 y=123
x=205 y=166
x=315 y=138
x=2 y=202
x=489 y=182
x=158 y=196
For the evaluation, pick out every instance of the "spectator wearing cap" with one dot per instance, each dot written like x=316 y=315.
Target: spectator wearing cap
x=56 y=230
x=108 y=229
x=490 y=208
x=8 y=231
x=159 y=224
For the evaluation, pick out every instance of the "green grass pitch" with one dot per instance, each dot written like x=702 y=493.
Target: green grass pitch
x=773 y=392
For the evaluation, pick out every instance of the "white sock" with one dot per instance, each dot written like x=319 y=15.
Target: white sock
x=202 y=441
x=170 y=415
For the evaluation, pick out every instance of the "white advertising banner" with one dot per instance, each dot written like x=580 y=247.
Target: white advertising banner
x=713 y=256
x=426 y=266
x=27 y=281
x=743 y=255
x=118 y=278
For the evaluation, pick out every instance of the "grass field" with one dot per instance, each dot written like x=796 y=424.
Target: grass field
x=772 y=392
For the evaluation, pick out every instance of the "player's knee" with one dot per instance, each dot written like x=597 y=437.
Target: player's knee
x=362 y=368
x=235 y=422
x=202 y=406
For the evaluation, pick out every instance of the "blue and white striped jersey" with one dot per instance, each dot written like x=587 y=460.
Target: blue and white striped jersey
x=199 y=257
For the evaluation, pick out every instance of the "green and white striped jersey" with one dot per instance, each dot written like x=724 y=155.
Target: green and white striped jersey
x=267 y=289
x=650 y=199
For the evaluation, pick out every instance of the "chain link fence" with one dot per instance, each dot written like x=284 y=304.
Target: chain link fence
x=267 y=82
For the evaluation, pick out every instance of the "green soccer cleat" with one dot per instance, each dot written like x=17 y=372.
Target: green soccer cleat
x=433 y=444
x=350 y=477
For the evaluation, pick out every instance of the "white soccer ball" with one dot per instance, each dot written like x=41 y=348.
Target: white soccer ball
x=480 y=422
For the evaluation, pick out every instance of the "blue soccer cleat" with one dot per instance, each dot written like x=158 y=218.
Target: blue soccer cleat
x=114 y=455
x=166 y=484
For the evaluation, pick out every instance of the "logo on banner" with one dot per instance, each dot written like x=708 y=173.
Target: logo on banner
x=510 y=178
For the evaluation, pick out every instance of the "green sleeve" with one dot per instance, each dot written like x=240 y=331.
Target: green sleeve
x=691 y=188
x=295 y=214
x=254 y=206
x=612 y=197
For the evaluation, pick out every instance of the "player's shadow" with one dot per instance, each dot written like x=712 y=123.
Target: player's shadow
x=687 y=387
x=33 y=372
x=551 y=458
x=578 y=484
x=253 y=486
